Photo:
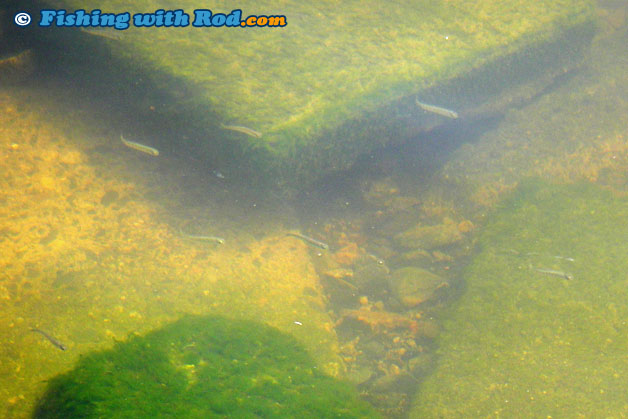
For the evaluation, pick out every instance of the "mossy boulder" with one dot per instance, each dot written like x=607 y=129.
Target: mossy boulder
x=413 y=286
x=200 y=367
x=335 y=82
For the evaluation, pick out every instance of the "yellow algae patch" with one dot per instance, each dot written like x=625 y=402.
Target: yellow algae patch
x=48 y=182
x=86 y=258
x=71 y=157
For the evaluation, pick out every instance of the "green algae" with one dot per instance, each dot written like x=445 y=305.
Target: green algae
x=338 y=82
x=520 y=343
x=201 y=367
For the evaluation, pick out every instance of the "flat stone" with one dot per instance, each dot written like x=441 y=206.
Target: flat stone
x=413 y=286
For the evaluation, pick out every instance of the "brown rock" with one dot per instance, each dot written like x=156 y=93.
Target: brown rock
x=347 y=255
x=429 y=237
x=339 y=273
x=413 y=286
x=465 y=226
x=428 y=329
x=420 y=256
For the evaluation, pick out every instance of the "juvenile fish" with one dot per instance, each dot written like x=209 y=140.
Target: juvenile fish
x=52 y=340
x=243 y=130
x=309 y=240
x=139 y=147
x=437 y=110
x=215 y=239
x=553 y=272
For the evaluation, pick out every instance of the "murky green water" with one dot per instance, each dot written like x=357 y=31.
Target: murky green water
x=462 y=262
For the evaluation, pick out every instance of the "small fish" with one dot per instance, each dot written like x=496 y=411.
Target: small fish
x=52 y=340
x=379 y=261
x=243 y=130
x=437 y=110
x=553 y=272
x=139 y=147
x=215 y=239
x=568 y=259
x=309 y=240
x=218 y=174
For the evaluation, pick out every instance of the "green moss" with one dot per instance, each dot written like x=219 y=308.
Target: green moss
x=201 y=367
x=336 y=82
x=520 y=343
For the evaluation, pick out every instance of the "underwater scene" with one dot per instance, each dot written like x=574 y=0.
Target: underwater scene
x=278 y=209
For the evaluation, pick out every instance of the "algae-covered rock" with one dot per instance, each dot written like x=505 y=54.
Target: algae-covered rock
x=417 y=256
x=412 y=285
x=429 y=237
x=201 y=367
x=522 y=343
x=309 y=97
x=371 y=275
